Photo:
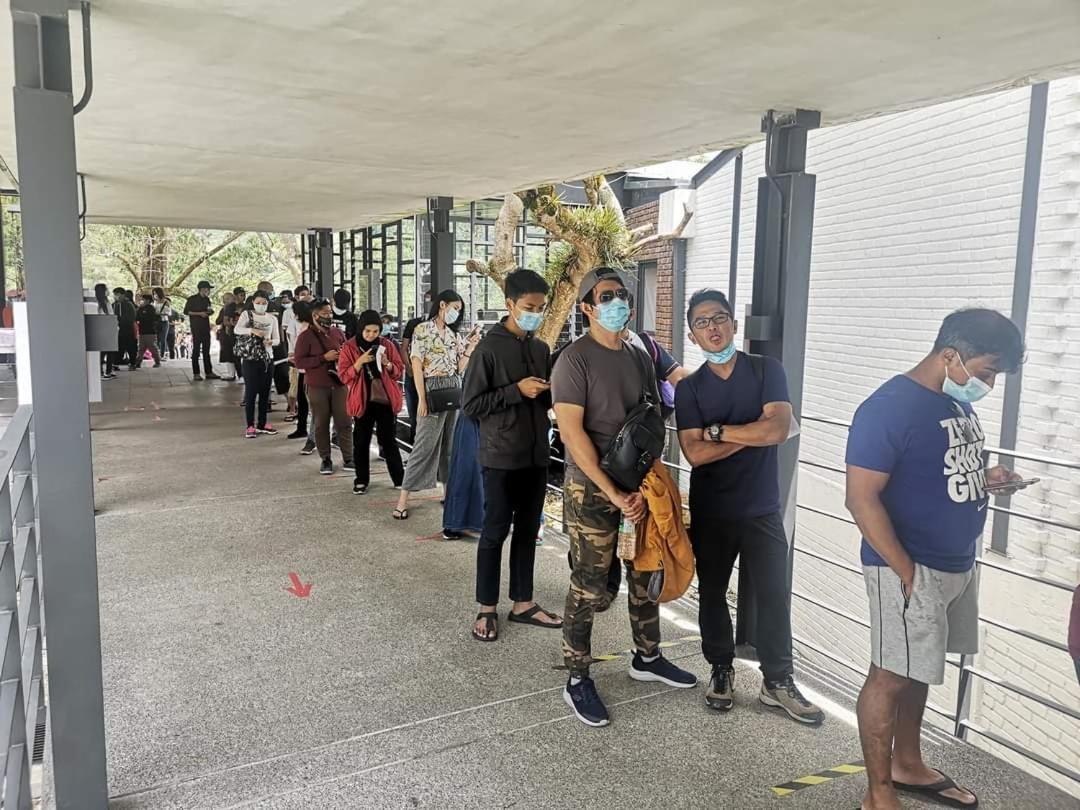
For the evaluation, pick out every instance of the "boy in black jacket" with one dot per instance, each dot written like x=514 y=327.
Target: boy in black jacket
x=507 y=391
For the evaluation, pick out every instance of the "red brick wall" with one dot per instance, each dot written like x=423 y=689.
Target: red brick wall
x=661 y=253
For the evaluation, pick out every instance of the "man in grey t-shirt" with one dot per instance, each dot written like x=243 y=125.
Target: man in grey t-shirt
x=596 y=383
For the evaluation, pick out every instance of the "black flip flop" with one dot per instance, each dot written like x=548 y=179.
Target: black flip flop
x=401 y=514
x=932 y=792
x=529 y=617
x=491 y=622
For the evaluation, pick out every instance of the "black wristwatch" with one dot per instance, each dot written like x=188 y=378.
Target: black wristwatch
x=715 y=433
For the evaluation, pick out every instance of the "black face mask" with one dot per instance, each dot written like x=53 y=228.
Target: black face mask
x=325 y=323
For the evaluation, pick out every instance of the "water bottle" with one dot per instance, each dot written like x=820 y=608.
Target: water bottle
x=627 y=546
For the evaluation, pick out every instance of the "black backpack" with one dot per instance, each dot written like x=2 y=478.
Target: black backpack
x=640 y=440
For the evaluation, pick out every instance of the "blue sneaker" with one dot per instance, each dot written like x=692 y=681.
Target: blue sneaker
x=586 y=703
x=661 y=670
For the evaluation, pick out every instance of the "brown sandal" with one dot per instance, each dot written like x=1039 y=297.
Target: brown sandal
x=491 y=625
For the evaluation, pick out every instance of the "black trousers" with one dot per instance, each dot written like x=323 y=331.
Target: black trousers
x=301 y=407
x=200 y=342
x=412 y=403
x=384 y=421
x=127 y=349
x=510 y=496
x=762 y=548
x=257 y=376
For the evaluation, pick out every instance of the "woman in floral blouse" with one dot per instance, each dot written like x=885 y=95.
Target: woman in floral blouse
x=438 y=355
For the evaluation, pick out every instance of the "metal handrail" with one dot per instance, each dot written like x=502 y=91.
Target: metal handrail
x=997 y=451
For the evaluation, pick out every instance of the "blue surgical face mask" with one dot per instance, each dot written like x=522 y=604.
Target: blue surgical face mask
x=721 y=357
x=450 y=315
x=529 y=321
x=971 y=391
x=613 y=315
x=386 y=329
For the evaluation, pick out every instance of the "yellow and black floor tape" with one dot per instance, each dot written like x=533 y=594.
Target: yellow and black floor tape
x=819 y=778
x=628 y=653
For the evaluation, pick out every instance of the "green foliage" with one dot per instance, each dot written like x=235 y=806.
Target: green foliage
x=116 y=254
x=13 y=254
x=602 y=227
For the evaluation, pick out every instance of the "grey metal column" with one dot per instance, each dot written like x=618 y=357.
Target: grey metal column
x=46 y=158
x=324 y=263
x=442 y=244
x=777 y=323
x=1025 y=252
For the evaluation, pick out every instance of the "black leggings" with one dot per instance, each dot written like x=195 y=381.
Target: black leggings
x=257 y=376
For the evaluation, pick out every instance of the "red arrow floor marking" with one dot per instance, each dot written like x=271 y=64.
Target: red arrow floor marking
x=298 y=588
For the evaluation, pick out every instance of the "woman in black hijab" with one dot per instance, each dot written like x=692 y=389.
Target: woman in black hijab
x=371 y=366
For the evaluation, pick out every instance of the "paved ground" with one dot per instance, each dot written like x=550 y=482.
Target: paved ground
x=223 y=690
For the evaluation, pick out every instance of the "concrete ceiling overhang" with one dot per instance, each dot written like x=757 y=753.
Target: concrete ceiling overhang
x=278 y=115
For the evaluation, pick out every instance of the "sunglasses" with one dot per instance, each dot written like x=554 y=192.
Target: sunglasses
x=607 y=296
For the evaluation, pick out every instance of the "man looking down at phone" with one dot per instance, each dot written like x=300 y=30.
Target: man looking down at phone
x=597 y=382
x=918 y=490
x=508 y=394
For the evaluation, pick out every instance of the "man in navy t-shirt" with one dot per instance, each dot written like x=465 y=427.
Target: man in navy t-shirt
x=732 y=413
x=919 y=491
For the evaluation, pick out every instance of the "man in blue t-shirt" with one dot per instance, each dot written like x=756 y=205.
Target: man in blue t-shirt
x=918 y=489
x=732 y=413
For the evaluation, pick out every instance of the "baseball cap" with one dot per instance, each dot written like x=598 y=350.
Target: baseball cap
x=205 y=285
x=594 y=277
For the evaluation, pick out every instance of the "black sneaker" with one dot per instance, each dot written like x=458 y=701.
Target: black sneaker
x=719 y=694
x=786 y=695
x=359 y=489
x=586 y=703
x=308 y=448
x=297 y=434
x=349 y=465
x=450 y=534
x=196 y=377
x=661 y=670
x=327 y=467
x=212 y=376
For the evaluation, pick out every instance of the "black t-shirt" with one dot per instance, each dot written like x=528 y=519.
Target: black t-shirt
x=199 y=303
x=149 y=319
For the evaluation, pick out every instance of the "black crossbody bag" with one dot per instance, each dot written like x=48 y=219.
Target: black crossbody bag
x=640 y=440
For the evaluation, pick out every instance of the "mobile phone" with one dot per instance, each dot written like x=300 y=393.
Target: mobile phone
x=1026 y=482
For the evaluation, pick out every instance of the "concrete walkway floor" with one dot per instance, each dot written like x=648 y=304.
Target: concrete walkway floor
x=224 y=690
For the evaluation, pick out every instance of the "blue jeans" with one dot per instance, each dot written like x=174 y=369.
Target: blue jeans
x=163 y=338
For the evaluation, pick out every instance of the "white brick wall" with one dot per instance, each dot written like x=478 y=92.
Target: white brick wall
x=917 y=214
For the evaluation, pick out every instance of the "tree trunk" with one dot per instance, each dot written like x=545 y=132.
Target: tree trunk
x=199 y=262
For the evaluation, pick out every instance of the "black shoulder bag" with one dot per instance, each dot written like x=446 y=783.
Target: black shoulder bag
x=640 y=440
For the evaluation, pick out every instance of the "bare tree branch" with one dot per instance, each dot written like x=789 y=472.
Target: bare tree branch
x=592 y=189
x=663 y=237
x=199 y=262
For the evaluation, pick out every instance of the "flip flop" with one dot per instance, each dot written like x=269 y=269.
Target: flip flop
x=529 y=617
x=401 y=514
x=932 y=791
x=491 y=623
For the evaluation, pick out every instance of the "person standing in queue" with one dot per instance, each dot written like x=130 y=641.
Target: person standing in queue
x=317 y=350
x=597 y=382
x=164 y=311
x=148 y=320
x=508 y=393
x=127 y=344
x=371 y=367
x=198 y=309
x=919 y=491
x=439 y=357
x=412 y=399
x=101 y=293
x=256 y=322
x=733 y=413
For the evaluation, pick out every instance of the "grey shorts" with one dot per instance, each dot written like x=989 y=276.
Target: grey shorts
x=910 y=636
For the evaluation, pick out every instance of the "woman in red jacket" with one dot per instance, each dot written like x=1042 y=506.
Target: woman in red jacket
x=371 y=366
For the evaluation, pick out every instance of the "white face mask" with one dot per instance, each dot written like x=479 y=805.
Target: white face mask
x=260 y=308
x=450 y=315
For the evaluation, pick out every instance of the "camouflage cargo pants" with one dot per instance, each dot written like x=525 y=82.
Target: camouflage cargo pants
x=592 y=523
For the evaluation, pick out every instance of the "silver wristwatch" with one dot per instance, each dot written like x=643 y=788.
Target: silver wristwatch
x=715 y=433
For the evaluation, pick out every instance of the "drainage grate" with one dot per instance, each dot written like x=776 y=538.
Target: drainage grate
x=39 y=743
